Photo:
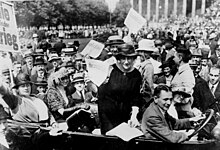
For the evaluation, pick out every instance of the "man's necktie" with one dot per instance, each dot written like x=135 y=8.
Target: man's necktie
x=81 y=95
x=212 y=89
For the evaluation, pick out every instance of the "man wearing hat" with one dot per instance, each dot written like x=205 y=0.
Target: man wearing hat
x=76 y=44
x=29 y=61
x=68 y=54
x=145 y=49
x=196 y=56
x=40 y=73
x=41 y=86
x=206 y=64
x=54 y=62
x=59 y=45
x=185 y=77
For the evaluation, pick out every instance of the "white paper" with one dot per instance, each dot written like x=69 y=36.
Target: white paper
x=134 y=21
x=97 y=71
x=93 y=49
x=125 y=132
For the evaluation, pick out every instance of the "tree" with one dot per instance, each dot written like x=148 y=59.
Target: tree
x=120 y=12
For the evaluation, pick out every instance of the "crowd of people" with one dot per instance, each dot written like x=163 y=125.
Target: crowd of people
x=159 y=80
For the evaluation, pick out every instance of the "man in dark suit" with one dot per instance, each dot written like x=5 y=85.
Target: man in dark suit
x=156 y=122
x=214 y=85
x=203 y=97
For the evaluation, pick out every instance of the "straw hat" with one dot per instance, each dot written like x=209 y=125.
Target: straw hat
x=146 y=45
x=78 y=77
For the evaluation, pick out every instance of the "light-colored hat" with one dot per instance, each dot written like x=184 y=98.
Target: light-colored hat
x=53 y=57
x=35 y=35
x=196 y=52
x=212 y=36
x=146 y=45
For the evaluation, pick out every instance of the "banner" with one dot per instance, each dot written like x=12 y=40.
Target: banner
x=134 y=21
x=93 y=49
x=9 y=40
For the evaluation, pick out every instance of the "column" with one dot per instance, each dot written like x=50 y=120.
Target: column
x=132 y=3
x=157 y=10
x=166 y=7
x=193 y=8
x=148 y=9
x=140 y=6
x=184 y=7
x=203 y=7
x=175 y=8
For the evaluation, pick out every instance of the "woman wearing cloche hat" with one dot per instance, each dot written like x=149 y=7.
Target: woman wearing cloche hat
x=118 y=99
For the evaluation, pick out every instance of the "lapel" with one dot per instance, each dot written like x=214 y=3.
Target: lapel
x=217 y=92
x=158 y=111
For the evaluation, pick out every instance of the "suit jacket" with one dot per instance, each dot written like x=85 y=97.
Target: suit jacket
x=78 y=99
x=203 y=97
x=155 y=124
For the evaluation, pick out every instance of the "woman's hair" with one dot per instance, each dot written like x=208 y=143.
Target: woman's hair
x=54 y=78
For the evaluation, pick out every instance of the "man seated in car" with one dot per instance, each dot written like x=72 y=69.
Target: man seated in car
x=156 y=122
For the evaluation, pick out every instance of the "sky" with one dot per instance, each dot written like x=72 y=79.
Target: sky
x=111 y=4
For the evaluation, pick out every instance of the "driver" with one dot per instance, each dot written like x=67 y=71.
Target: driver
x=156 y=122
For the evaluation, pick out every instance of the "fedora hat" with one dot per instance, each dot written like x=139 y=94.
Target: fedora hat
x=38 y=52
x=28 y=53
x=21 y=79
x=114 y=40
x=183 y=49
x=78 y=77
x=53 y=57
x=126 y=50
x=76 y=43
x=39 y=61
x=146 y=45
x=41 y=83
x=3 y=114
x=67 y=64
x=196 y=52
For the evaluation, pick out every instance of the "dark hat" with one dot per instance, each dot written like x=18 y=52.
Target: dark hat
x=38 y=52
x=76 y=43
x=39 y=61
x=3 y=114
x=182 y=49
x=168 y=45
x=165 y=64
x=21 y=79
x=67 y=64
x=41 y=83
x=126 y=50
x=52 y=50
x=77 y=77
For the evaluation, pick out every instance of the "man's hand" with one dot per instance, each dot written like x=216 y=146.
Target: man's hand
x=197 y=118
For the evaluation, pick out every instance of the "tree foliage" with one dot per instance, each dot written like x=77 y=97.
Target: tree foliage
x=66 y=12
x=120 y=12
